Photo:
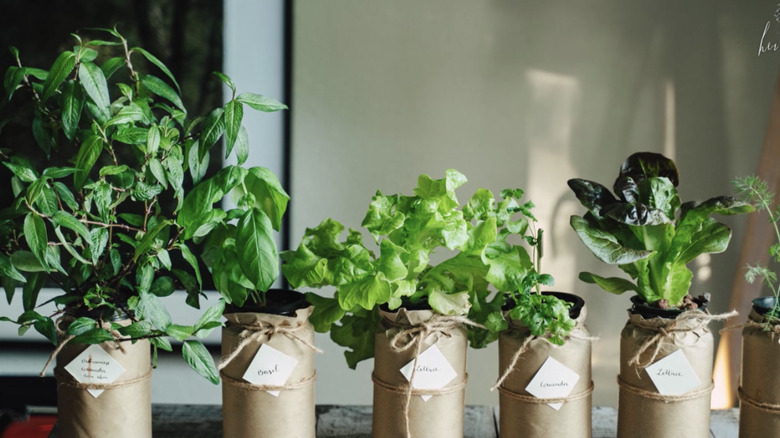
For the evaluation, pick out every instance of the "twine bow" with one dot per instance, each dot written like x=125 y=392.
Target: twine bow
x=260 y=329
x=415 y=336
x=699 y=318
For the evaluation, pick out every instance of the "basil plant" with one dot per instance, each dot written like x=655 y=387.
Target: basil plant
x=481 y=266
x=100 y=207
x=647 y=231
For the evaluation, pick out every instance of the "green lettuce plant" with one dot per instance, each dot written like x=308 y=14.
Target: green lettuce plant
x=100 y=208
x=647 y=231
x=476 y=252
x=754 y=190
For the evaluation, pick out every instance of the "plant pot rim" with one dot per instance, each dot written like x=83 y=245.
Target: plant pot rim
x=640 y=307
x=578 y=303
x=284 y=302
x=762 y=305
x=422 y=305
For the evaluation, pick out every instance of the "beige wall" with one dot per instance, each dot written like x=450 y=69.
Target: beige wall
x=523 y=94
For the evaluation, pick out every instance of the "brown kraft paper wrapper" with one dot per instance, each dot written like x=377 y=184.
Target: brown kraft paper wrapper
x=759 y=411
x=523 y=418
x=123 y=411
x=442 y=415
x=652 y=414
x=253 y=412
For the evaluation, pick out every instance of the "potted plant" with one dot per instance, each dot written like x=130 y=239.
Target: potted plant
x=544 y=347
x=267 y=368
x=759 y=393
x=666 y=348
x=97 y=212
x=408 y=313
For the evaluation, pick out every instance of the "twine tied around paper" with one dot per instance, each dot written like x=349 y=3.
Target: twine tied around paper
x=414 y=336
x=66 y=379
x=259 y=329
x=544 y=401
x=698 y=317
x=65 y=338
x=622 y=384
x=574 y=334
x=769 y=408
x=252 y=387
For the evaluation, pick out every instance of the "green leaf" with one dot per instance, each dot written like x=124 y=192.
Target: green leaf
x=196 y=355
x=160 y=88
x=190 y=258
x=22 y=169
x=7 y=269
x=36 y=237
x=357 y=333
x=72 y=105
x=604 y=245
x=449 y=303
x=261 y=103
x=150 y=308
x=148 y=240
x=31 y=289
x=207 y=321
x=233 y=114
x=162 y=286
x=96 y=87
x=158 y=171
x=326 y=312
x=137 y=329
x=113 y=170
x=94 y=336
x=65 y=195
x=269 y=195
x=179 y=332
x=58 y=172
x=64 y=219
x=27 y=262
x=366 y=292
x=80 y=326
x=87 y=156
x=162 y=343
x=613 y=285
x=154 y=60
x=153 y=140
x=112 y=65
x=257 y=254
x=213 y=127
x=224 y=78
x=198 y=165
x=98 y=242
x=242 y=146
x=68 y=247
x=46 y=328
x=61 y=68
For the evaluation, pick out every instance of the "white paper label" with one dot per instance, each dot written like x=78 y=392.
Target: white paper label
x=673 y=375
x=433 y=371
x=270 y=367
x=553 y=380
x=94 y=366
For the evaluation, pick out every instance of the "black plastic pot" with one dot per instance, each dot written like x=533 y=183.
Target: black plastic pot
x=574 y=311
x=762 y=305
x=278 y=302
x=639 y=306
x=422 y=305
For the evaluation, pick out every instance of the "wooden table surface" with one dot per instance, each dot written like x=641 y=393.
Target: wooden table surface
x=179 y=421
